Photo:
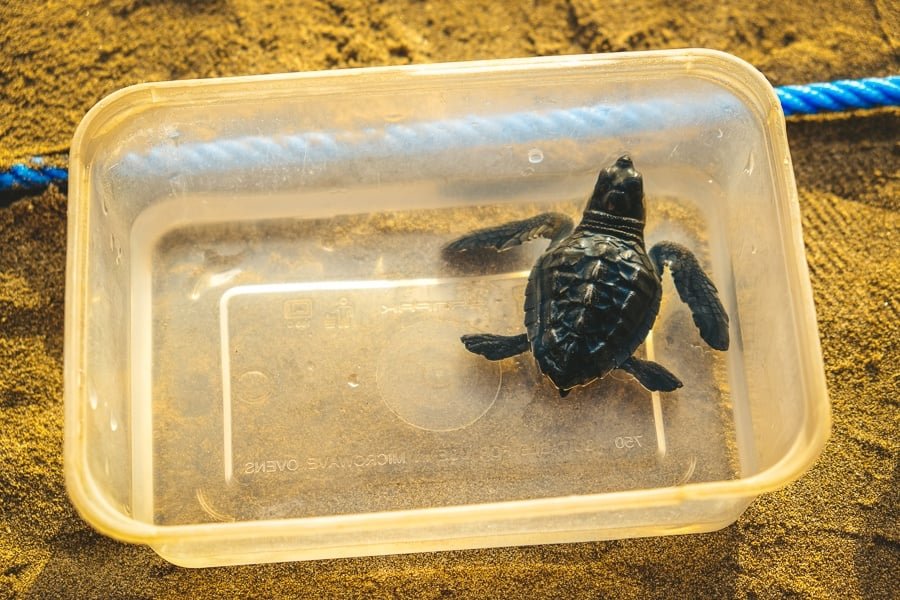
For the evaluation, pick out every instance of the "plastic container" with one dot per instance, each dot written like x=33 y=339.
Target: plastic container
x=262 y=339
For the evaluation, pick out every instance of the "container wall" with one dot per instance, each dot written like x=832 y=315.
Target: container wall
x=271 y=328
x=104 y=396
x=685 y=518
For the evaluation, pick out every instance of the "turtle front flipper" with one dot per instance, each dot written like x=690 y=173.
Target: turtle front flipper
x=553 y=226
x=696 y=290
x=496 y=347
x=651 y=375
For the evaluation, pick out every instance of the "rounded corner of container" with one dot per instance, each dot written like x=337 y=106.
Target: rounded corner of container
x=112 y=104
x=76 y=491
x=740 y=75
x=798 y=460
x=104 y=520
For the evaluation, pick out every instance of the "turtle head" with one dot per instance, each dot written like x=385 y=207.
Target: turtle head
x=619 y=190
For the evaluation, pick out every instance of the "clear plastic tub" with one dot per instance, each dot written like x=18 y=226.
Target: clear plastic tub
x=262 y=338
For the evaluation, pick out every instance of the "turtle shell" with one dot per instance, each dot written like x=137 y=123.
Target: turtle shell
x=589 y=303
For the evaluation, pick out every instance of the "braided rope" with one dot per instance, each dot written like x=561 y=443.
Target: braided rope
x=410 y=141
x=837 y=96
x=424 y=137
x=34 y=176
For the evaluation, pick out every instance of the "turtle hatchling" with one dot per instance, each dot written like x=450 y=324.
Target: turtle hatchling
x=594 y=294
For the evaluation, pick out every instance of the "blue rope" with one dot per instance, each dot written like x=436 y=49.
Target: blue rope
x=836 y=96
x=25 y=177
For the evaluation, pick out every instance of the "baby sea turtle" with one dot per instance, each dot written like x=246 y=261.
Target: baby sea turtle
x=594 y=294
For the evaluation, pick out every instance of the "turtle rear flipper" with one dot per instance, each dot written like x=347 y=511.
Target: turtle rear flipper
x=553 y=226
x=496 y=347
x=651 y=375
x=696 y=290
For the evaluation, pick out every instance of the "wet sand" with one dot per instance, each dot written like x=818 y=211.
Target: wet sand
x=834 y=533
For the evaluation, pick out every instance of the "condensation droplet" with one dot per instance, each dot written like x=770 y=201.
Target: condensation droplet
x=752 y=249
x=113 y=242
x=353 y=380
x=104 y=205
x=92 y=399
x=535 y=156
x=528 y=171
x=310 y=366
x=113 y=422
x=750 y=165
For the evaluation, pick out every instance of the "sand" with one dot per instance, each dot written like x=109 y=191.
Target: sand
x=834 y=533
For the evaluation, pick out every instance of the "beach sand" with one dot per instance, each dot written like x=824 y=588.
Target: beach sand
x=835 y=533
